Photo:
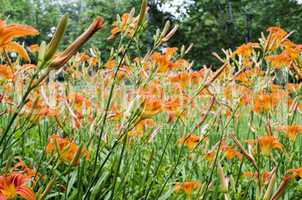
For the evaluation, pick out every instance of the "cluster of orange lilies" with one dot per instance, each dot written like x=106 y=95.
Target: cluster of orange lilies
x=153 y=92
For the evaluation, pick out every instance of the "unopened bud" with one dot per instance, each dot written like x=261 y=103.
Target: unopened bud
x=48 y=188
x=270 y=187
x=56 y=39
x=170 y=34
x=42 y=51
x=189 y=48
x=223 y=181
x=142 y=13
x=182 y=51
x=63 y=58
x=135 y=107
x=166 y=29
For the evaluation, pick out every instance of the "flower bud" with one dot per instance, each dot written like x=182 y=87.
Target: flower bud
x=142 y=13
x=135 y=107
x=42 y=51
x=170 y=34
x=270 y=187
x=56 y=39
x=166 y=29
x=48 y=188
x=223 y=181
x=63 y=58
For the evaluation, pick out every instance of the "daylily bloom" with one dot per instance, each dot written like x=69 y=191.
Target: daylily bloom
x=23 y=167
x=187 y=186
x=175 y=107
x=152 y=106
x=14 y=185
x=265 y=176
x=197 y=76
x=282 y=60
x=10 y=32
x=170 y=51
x=249 y=76
x=210 y=155
x=25 y=170
x=277 y=34
x=183 y=78
x=161 y=61
x=140 y=128
x=291 y=131
x=79 y=101
x=265 y=102
x=230 y=152
x=115 y=113
x=127 y=25
x=246 y=50
x=267 y=144
x=6 y=72
x=191 y=141
x=296 y=172
x=179 y=64
x=110 y=64
x=154 y=88
x=66 y=148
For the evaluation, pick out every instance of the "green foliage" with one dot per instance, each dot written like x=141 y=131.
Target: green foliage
x=214 y=24
x=209 y=24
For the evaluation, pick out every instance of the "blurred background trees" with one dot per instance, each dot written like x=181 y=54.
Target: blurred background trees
x=209 y=24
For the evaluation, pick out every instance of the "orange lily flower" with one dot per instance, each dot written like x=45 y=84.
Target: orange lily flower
x=22 y=167
x=9 y=32
x=277 y=35
x=296 y=172
x=265 y=176
x=110 y=64
x=140 y=128
x=152 y=106
x=174 y=107
x=246 y=50
x=284 y=59
x=162 y=62
x=6 y=72
x=210 y=155
x=265 y=102
x=183 y=78
x=247 y=77
x=14 y=185
x=277 y=32
x=66 y=148
x=79 y=101
x=291 y=131
x=191 y=141
x=179 y=64
x=115 y=114
x=126 y=25
x=187 y=186
x=170 y=51
x=230 y=152
x=197 y=76
x=154 y=88
x=267 y=144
